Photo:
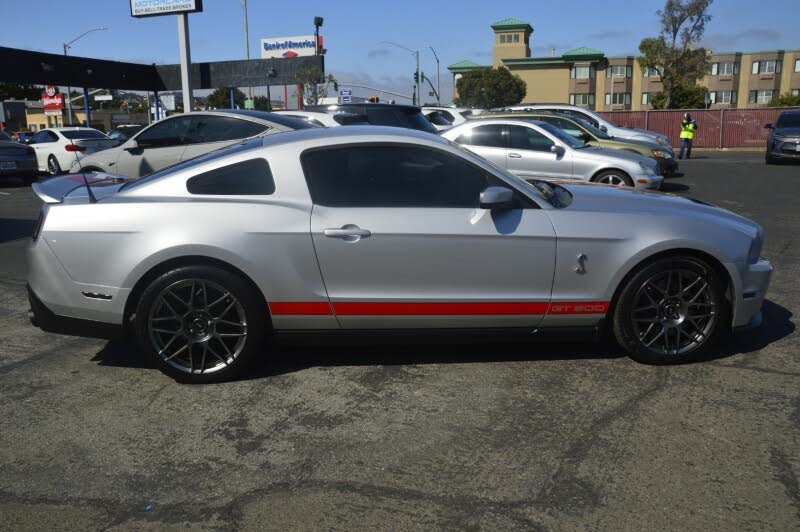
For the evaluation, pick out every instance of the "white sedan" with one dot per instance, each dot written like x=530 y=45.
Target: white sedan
x=323 y=119
x=59 y=148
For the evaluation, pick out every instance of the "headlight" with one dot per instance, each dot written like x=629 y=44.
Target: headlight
x=662 y=154
x=755 y=246
x=647 y=169
x=661 y=141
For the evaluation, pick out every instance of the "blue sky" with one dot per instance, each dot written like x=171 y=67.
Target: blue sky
x=352 y=29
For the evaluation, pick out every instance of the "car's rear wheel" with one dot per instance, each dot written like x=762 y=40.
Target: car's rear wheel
x=53 y=168
x=613 y=177
x=200 y=324
x=671 y=311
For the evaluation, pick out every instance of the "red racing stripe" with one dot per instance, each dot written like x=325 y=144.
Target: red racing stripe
x=438 y=309
x=300 y=309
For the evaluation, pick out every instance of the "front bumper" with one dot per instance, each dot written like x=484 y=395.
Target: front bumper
x=668 y=166
x=48 y=321
x=750 y=295
x=784 y=148
x=647 y=181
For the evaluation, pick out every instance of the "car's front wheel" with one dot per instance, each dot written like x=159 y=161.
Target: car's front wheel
x=200 y=324
x=671 y=311
x=614 y=177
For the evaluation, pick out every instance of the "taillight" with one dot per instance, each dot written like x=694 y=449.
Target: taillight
x=30 y=151
x=75 y=147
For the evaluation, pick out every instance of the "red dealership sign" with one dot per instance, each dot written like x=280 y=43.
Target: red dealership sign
x=52 y=101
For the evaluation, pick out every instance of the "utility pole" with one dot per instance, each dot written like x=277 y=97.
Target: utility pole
x=186 y=61
x=416 y=73
x=67 y=46
x=438 y=88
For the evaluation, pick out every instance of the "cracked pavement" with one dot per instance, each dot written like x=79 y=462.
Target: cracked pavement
x=411 y=435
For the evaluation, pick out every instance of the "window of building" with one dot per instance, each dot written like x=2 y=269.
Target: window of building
x=581 y=72
x=502 y=39
x=581 y=99
x=516 y=37
x=725 y=68
x=766 y=67
x=619 y=71
x=761 y=96
x=795 y=92
x=647 y=98
x=797 y=65
x=393 y=176
x=247 y=178
x=618 y=98
x=722 y=96
x=652 y=72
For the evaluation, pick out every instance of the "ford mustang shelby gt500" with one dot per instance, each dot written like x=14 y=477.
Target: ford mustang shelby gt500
x=385 y=229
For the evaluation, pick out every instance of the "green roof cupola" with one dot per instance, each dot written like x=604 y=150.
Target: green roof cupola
x=511 y=39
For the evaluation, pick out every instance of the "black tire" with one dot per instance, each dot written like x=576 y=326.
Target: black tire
x=53 y=168
x=199 y=328
x=611 y=174
x=635 y=326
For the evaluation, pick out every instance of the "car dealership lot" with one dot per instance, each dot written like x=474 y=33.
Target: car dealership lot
x=417 y=435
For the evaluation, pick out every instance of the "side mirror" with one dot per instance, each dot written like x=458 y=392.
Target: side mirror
x=769 y=126
x=585 y=137
x=603 y=128
x=132 y=145
x=496 y=198
x=558 y=150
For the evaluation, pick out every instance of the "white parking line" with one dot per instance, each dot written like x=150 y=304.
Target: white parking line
x=5 y=193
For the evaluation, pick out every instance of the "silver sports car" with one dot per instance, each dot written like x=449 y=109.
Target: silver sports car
x=354 y=228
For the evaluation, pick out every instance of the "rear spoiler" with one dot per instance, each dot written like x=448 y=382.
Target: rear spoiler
x=55 y=189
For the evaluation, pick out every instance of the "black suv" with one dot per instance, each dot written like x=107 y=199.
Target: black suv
x=784 y=138
x=383 y=114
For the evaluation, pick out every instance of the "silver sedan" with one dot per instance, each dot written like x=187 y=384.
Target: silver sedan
x=534 y=149
x=374 y=228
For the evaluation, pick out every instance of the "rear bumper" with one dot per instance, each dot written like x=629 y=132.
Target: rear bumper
x=48 y=321
x=23 y=169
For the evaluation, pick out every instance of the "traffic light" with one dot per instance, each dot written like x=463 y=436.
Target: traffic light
x=374 y=99
x=416 y=77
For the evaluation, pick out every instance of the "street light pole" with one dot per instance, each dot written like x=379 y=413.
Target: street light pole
x=67 y=46
x=438 y=89
x=247 y=42
x=417 y=77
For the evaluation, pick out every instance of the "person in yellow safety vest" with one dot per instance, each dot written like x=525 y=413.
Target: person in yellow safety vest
x=688 y=128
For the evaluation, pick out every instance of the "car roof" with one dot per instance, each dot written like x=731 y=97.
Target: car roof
x=375 y=133
x=334 y=106
x=68 y=128
x=281 y=120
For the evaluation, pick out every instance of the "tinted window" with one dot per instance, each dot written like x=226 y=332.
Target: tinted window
x=578 y=114
x=393 y=176
x=490 y=136
x=170 y=132
x=247 y=178
x=4 y=136
x=563 y=137
x=44 y=136
x=77 y=134
x=788 y=120
x=439 y=119
x=563 y=124
x=221 y=128
x=526 y=138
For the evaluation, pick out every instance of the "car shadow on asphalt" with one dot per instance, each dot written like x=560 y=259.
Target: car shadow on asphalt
x=673 y=187
x=15 y=229
x=348 y=350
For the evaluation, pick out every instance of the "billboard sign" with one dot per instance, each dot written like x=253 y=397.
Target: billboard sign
x=52 y=101
x=154 y=8
x=287 y=47
x=346 y=95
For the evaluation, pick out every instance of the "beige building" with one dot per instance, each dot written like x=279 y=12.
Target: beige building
x=102 y=120
x=586 y=77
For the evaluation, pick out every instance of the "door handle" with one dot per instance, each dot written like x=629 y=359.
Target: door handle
x=348 y=233
x=515 y=155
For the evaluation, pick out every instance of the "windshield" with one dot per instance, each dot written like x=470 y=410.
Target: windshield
x=77 y=134
x=177 y=167
x=599 y=133
x=561 y=135
x=788 y=120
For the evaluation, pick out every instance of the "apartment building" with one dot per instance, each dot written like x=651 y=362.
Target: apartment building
x=587 y=77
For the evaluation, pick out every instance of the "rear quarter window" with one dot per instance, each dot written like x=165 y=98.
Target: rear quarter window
x=246 y=178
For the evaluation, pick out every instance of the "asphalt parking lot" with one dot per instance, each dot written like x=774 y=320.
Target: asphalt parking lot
x=416 y=436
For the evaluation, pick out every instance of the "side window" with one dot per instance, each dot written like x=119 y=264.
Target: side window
x=584 y=116
x=43 y=137
x=490 y=136
x=438 y=118
x=393 y=176
x=526 y=138
x=564 y=125
x=247 y=178
x=167 y=133
x=222 y=128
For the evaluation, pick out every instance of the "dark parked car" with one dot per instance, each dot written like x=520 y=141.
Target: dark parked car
x=783 y=142
x=383 y=114
x=16 y=160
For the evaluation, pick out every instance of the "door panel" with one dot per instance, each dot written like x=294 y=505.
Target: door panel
x=529 y=155
x=159 y=146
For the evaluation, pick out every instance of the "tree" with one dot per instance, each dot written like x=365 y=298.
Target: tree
x=315 y=84
x=17 y=91
x=221 y=99
x=684 y=96
x=261 y=103
x=674 y=53
x=785 y=100
x=488 y=88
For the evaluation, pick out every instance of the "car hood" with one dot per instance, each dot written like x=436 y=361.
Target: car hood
x=787 y=131
x=615 y=155
x=633 y=131
x=595 y=197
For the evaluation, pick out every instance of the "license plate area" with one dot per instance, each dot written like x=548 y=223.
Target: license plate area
x=8 y=165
